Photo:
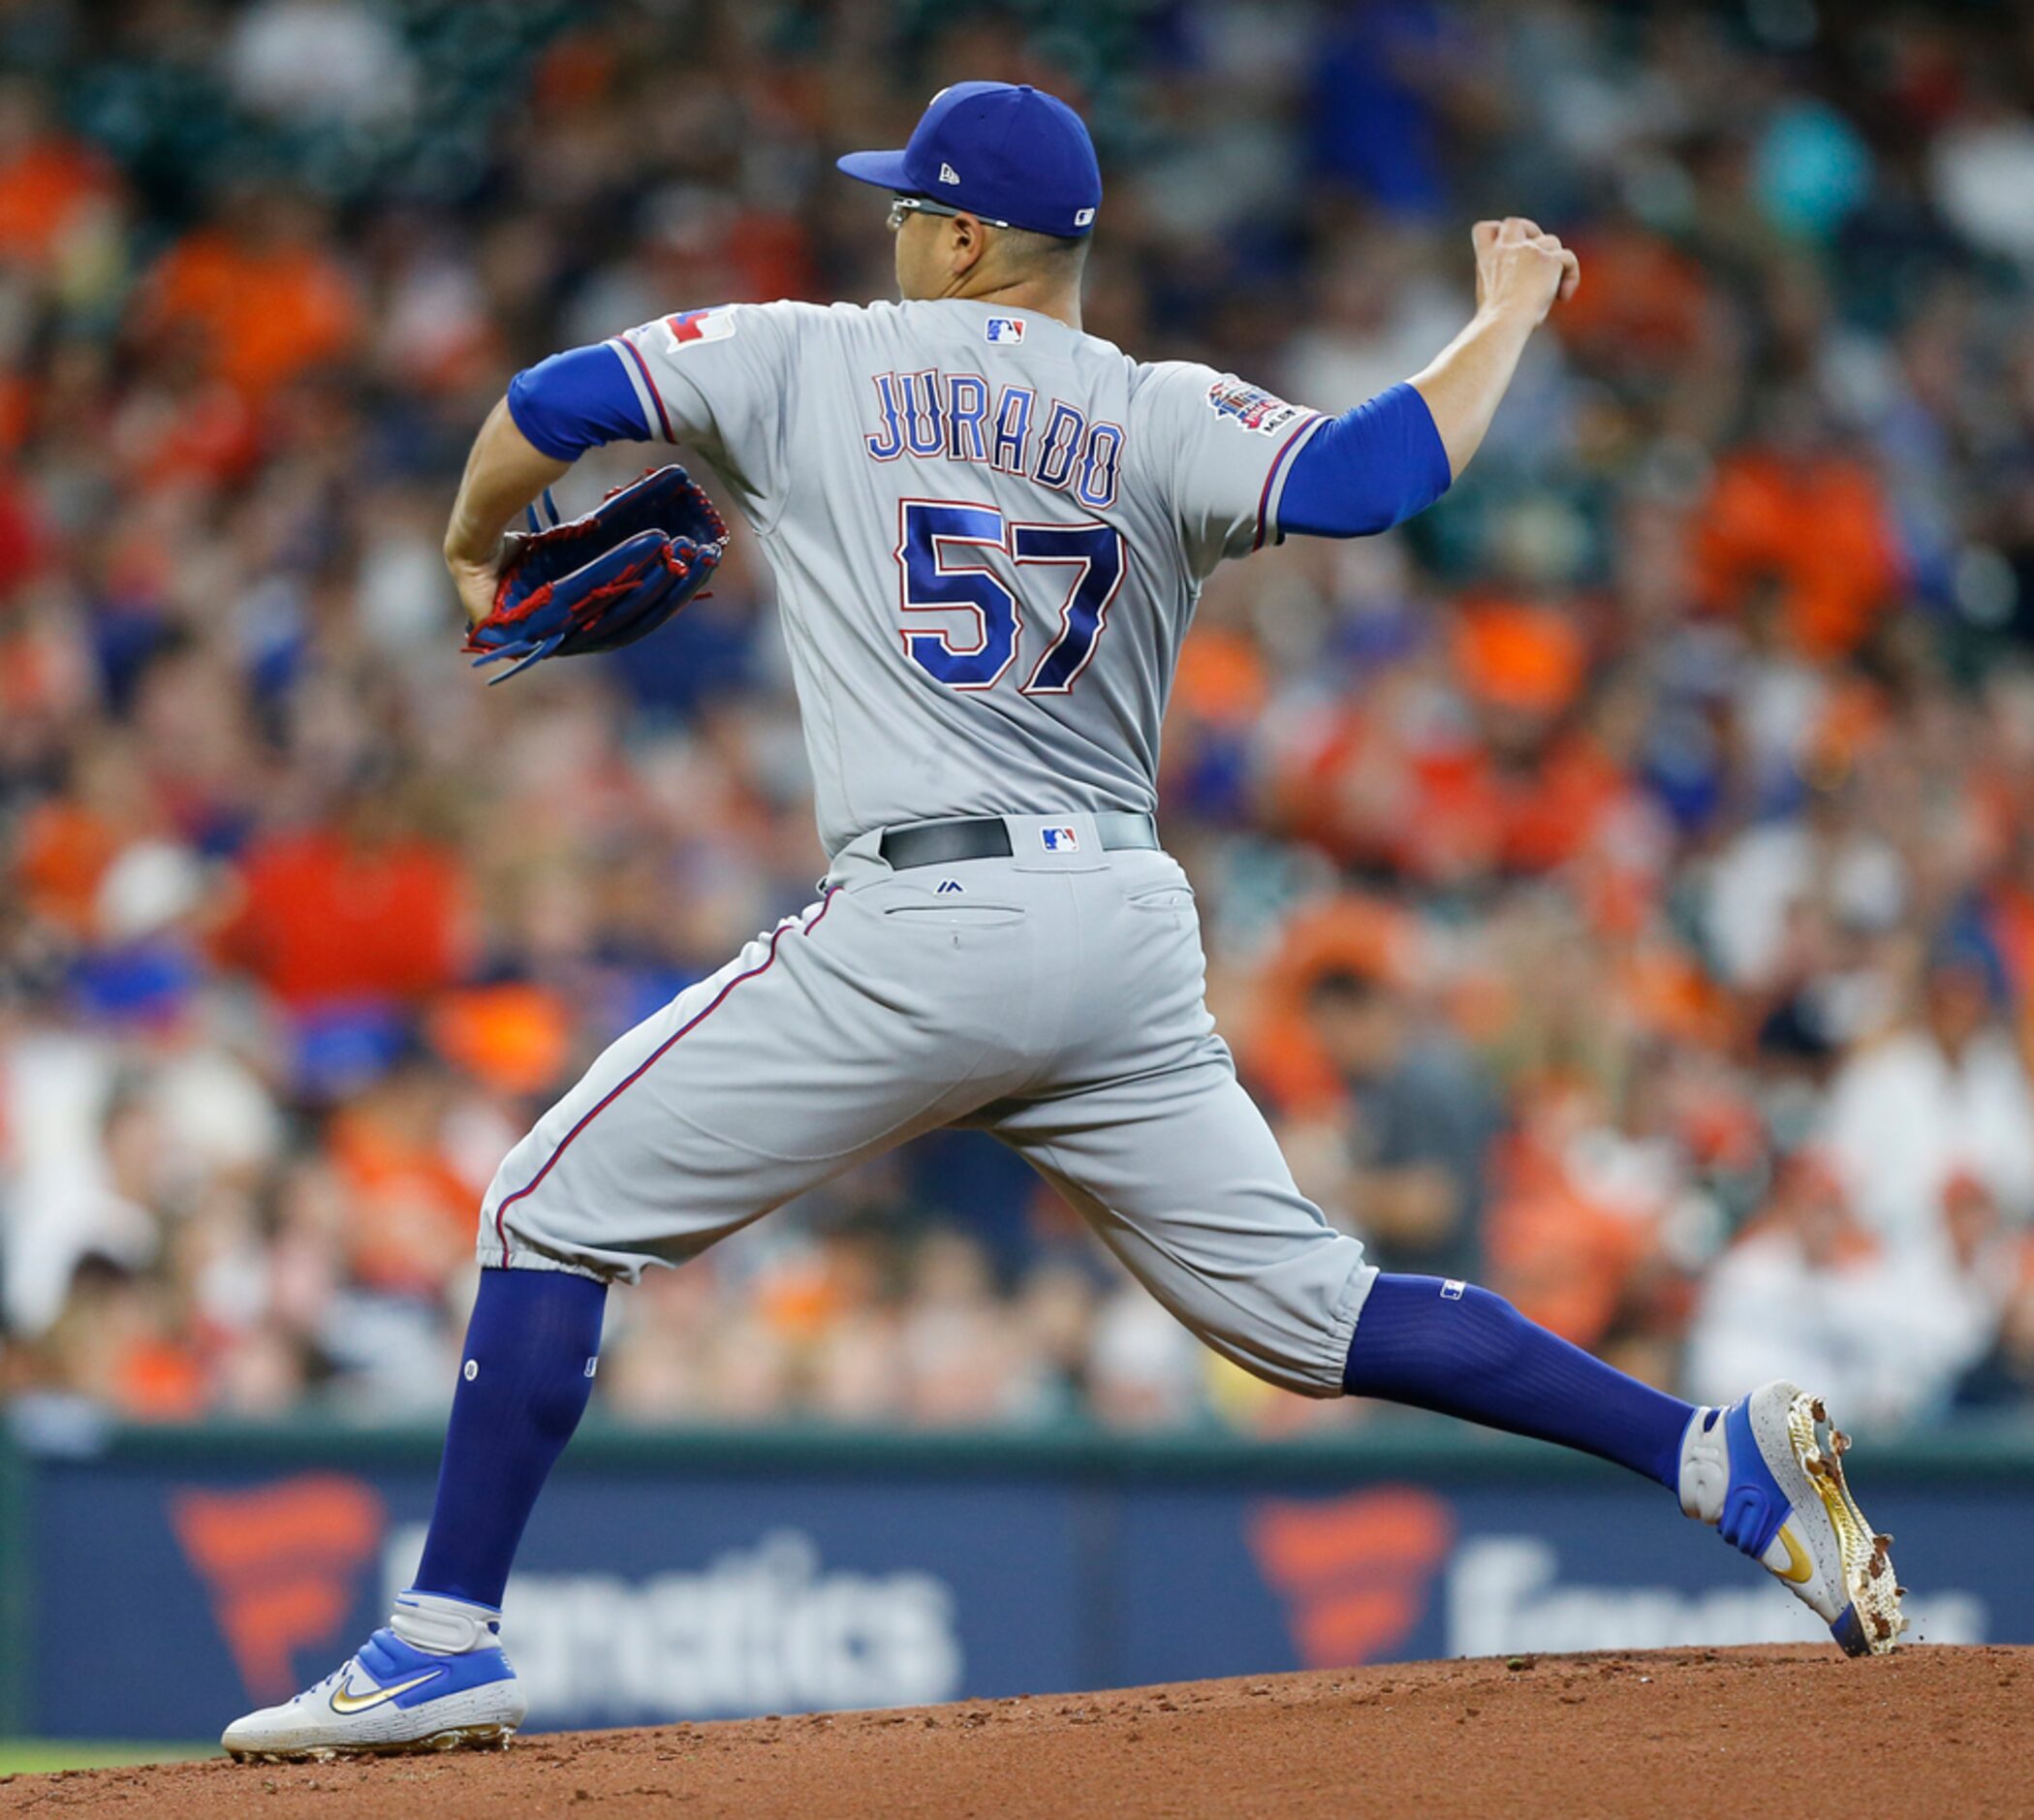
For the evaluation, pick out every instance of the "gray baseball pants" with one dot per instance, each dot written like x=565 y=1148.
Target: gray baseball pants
x=1054 y=998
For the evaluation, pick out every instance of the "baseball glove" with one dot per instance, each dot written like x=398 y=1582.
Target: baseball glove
x=605 y=578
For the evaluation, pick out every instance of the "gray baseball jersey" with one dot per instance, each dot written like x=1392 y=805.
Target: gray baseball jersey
x=988 y=532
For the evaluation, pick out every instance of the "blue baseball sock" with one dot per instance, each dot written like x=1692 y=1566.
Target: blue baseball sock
x=524 y=1377
x=1465 y=1352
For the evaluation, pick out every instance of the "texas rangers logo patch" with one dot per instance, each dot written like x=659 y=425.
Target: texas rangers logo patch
x=1251 y=407
x=1004 y=329
x=1060 y=840
x=691 y=327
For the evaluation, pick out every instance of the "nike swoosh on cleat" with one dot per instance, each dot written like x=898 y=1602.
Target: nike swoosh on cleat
x=1800 y=1568
x=344 y=1702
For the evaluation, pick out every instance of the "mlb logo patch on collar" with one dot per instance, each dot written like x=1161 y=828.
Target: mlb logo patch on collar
x=1060 y=840
x=1004 y=329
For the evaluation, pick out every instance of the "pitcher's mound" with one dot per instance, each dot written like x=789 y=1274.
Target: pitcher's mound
x=1796 y=1731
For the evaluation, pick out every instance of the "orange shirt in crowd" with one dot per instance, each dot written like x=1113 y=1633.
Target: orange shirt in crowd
x=412 y=1213
x=261 y=316
x=1553 y=813
x=1221 y=676
x=515 y=1036
x=1817 y=528
x=159 y=1380
x=63 y=853
x=1565 y=1261
x=325 y=920
x=1435 y=813
x=1520 y=655
x=45 y=192
x=1343 y=934
x=1646 y=303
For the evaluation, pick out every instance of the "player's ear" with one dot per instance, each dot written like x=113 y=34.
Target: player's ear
x=966 y=241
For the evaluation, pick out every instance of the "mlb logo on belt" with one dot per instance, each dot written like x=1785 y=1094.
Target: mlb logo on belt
x=1004 y=329
x=1060 y=839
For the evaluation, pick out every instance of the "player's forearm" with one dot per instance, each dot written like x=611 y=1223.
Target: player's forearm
x=504 y=473
x=1464 y=383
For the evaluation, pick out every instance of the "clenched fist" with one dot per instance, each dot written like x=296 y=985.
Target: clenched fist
x=1521 y=270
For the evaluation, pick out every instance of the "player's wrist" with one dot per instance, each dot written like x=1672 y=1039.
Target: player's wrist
x=1514 y=310
x=474 y=578
x=465 y=557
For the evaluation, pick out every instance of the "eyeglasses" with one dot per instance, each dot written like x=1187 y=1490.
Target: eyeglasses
x=902 y=205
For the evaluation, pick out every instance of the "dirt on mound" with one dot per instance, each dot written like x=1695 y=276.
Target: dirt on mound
x=1802 y=1732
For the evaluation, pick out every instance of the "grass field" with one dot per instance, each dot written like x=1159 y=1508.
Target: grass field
x=38 y=1756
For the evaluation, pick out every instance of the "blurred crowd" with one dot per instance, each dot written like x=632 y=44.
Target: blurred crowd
x=1618 y=886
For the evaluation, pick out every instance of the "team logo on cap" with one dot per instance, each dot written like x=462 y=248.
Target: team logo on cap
x=948 y=174
x=1251 y=407
x=1004 y=329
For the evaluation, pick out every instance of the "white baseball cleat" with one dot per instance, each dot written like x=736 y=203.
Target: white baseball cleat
x=1763 y=1473
x=389 y=1698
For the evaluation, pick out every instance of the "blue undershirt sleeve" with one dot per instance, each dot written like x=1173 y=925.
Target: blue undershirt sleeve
x=1366 y=470
x=576 y=401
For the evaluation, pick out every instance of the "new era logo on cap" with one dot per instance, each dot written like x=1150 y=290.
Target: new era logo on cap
x=1004 y=329
x=1060 y=840
x=948 y=174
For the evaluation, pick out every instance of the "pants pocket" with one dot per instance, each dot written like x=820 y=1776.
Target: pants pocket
x=954 y=915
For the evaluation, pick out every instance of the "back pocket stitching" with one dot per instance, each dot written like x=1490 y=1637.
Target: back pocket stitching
x=959 y=916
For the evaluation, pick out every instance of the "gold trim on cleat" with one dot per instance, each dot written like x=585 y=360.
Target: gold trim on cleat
x=1868 y=1576
x=453 y=1738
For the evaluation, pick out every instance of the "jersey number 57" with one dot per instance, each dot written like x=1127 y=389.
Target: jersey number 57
x=934 y=579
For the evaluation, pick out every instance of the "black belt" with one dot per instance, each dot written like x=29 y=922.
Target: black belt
x=941 y=843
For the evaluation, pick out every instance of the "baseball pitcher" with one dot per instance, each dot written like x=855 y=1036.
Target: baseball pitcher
x=988 y=530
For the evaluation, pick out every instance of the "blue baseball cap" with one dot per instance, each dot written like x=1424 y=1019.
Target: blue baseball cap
x=1005 y=151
